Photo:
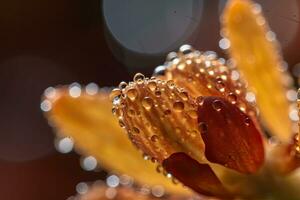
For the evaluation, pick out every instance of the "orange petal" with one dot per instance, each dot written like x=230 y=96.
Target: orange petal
x=203 y=74
x=257 y=55
x=200 y=177
x=160 y=119
x=89 y=121
x=230 y=136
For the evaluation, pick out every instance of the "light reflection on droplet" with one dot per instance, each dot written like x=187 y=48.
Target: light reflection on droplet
x=271 y=36
x=92 y=89
x=291 y=95
x=110 y=193
x=235 y=75
x=224 y=43
x=145 y=190
x=250 y=97
x=89 y=163
x=113 y=181
x=50 y=92
x=64 y=145
x=126 y=180
x=75 y=90
x=82 y=188
x=158 y=191
x=294 y=115
x=46 y=105
x=256 y=8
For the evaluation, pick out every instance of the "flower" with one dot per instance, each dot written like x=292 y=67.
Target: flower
x=195 y=120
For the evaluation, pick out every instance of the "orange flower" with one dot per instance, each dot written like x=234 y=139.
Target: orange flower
x=195 y=120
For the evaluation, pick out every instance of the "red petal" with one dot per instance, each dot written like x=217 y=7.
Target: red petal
x=197 y=176
x=230 y=136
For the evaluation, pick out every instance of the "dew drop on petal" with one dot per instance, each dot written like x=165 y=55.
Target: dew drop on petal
x=232 y=98
x=147 y=103
x=217 y=105
x=113 y=181
x=132 y=94
x=152 y=85
x=154 y=138
x=202 y=127
x=178 y=106
x=138 y=78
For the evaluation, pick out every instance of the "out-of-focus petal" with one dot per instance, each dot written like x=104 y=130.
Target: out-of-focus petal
x=230 y=136
x=88 y=119
x=256 y=54
x=100 y=191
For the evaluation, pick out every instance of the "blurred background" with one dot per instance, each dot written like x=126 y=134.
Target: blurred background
x=47 y=43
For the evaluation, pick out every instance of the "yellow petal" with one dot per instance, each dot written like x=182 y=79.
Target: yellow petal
x=89 y=121
x=256 y=53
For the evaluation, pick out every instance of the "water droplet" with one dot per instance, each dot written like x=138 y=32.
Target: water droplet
x=159 y=70
x=217 y=105
x=159 y=169
x=193 y=114
x=146 y=157
x=152 y=85
x=186 y=49
x=132 y=94
x=122 y=85
x=136 y=130
x=232 y=98
x=200 y=100
x=171 y=56
x=171 y=84
x=116 y=101
x=193 y=133
x=153 y=160
x=131 y=112
x=167 y=112
x=147 y=103
x=154 y=138
x=181 y=66
x=220 y=85
x=139 y=78
x=178 y=106
x=121 y=123
x=114 y=110
x=203 y=127
x=158 y=93
x=184 y=96
x=247 y=121
x=115 y=92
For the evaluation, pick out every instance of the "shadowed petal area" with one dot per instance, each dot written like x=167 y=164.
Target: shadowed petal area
x=199 y=177
x=89 y=121
x=230 y=136
x=256 y=54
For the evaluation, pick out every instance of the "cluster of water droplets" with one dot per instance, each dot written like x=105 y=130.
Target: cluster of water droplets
x=190 y=68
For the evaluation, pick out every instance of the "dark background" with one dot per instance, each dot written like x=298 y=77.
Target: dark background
x=49 y=42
